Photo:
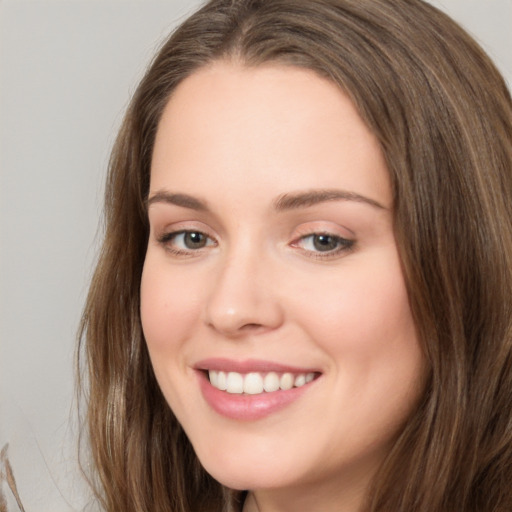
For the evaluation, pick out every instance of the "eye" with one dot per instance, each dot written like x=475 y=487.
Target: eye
x=191 y=239
x=325 y=243
x=183 y=242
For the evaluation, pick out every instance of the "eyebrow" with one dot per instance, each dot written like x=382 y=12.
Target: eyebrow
x=183 y=200
x=284 y=202
x=313 y=197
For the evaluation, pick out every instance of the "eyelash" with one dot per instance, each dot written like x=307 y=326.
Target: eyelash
x=167 y=238
x=342 y=244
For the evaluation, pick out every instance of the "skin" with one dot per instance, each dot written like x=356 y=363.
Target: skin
x=238 y=139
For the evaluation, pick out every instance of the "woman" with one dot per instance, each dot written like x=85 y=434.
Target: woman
x=303 y=300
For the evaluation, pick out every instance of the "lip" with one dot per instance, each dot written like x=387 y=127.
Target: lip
x=244 y=407
x=249 y=365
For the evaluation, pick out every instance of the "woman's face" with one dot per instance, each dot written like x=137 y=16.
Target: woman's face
x=272 y=269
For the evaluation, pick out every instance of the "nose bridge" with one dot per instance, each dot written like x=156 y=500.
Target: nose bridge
x=242 y=298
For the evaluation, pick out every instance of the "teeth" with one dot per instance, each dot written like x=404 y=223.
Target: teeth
x=255 y=383
x=286 y=381
x=300 y=380
x=235 y=383
x=221 y=381
x=271 y=382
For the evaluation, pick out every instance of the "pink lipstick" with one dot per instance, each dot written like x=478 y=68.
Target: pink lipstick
x=252 y=389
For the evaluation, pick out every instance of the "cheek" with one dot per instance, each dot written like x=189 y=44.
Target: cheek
x=169 y=316
x=376 y=364
x=363 y=314
x=169 y=306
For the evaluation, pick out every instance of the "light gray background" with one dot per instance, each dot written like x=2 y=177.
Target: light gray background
x=67 y=69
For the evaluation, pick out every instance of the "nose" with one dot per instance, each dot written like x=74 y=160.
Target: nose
x=243 y=297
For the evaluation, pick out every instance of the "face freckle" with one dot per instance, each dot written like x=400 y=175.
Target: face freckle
x=272 y=262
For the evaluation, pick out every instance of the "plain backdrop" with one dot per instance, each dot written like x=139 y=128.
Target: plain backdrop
x=67 y=69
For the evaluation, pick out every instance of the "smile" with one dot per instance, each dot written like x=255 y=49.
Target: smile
x=255 y=383
x=252 y=389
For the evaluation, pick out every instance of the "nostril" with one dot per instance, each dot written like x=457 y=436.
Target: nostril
x=251 y=326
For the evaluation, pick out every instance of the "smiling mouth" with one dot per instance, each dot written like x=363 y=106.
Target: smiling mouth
x=256 y=383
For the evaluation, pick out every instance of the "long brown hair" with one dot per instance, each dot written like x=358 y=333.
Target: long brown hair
x=443 y=116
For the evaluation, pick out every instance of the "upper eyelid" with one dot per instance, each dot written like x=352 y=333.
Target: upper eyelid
x=334 y=229
x=300 y=232
x=323 y=233
x=175 y=232
x=162 y=228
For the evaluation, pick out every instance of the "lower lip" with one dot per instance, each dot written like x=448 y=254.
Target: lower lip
x=248 y=407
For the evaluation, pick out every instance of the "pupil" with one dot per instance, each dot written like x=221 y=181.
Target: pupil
x=325 y=242
x=195 y=240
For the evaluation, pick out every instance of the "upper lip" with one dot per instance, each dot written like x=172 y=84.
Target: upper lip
x=249 y=365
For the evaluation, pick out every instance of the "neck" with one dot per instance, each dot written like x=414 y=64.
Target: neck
x=325 y=497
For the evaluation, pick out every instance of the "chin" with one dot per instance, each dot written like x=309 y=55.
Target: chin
x=246 y=478
x=242 y=471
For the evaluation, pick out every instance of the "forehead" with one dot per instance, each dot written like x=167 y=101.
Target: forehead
x=274 y=124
